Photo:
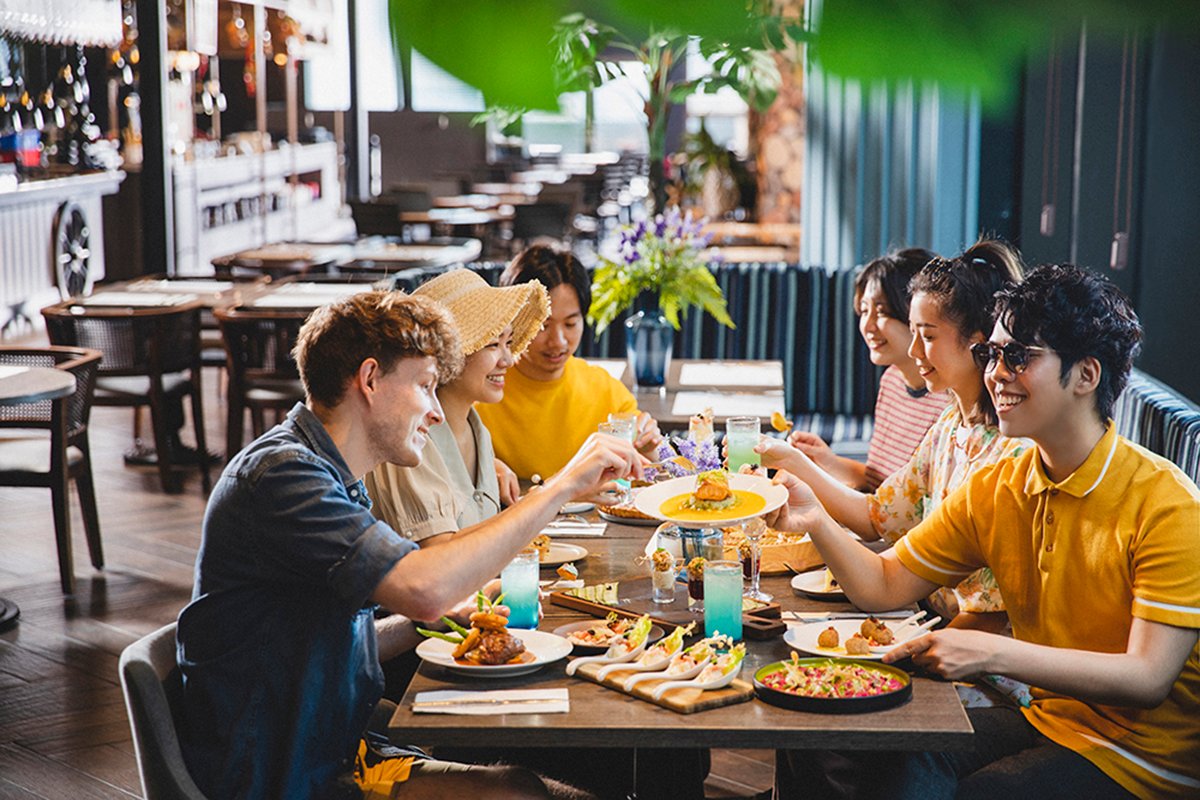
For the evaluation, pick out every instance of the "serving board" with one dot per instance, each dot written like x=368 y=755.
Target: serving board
x=681 y=701
x=634 y=598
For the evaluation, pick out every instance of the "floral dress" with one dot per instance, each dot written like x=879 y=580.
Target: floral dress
x=946 y=457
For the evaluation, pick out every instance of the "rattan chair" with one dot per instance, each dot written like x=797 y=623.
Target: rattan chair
x=262 y=374
x=30 y=457
x=151 y=354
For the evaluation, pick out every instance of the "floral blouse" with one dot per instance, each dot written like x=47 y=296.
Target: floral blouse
x=946 y=457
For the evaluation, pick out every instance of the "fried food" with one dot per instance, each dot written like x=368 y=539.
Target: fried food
x=695 y=568
x=882 y=635
x=541 y=543
x=496 y=647
x=712 y=491
x=828 y=637
x=780 y=423
x=856 y=645
x=868 y=627
x=468 y=643
x=489 y=621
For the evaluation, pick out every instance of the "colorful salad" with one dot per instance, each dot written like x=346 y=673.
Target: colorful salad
x=828 y=679
x=602 y=633
x=631 y=639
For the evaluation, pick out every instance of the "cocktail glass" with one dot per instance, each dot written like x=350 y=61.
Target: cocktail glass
x=741 y=437
x=519 y=583
x=753 y=531
x=723 y=598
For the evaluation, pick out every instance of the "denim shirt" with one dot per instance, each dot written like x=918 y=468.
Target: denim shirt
x=277 y=647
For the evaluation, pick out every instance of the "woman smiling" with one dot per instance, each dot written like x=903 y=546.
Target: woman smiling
x=456 y=484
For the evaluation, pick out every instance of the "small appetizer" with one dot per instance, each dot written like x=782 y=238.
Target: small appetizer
x=868 y=627
x=699 y=653
x=723 y=665
x=567 y=572
x=601 y=634
x=700 y=426
x=667 y=647
x=828 y=637
x=831 y=584
x=780 y=423
x=712 y=491
x=856 y=645
x=631 y=639
x=663 y=568
x=541 y=543
x=882 y=636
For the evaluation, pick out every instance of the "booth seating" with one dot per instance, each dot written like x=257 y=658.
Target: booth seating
x=1158 y=418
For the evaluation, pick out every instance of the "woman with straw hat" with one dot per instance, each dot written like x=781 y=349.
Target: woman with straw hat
x=456 y=484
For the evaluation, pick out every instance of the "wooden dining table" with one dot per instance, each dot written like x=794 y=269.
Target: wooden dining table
x=599 y=717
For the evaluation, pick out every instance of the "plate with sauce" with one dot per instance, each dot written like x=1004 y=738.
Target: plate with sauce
x=541 y=648
x=755 y=495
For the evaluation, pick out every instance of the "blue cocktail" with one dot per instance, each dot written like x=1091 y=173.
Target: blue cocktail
x=723 y=598
x=519 y=583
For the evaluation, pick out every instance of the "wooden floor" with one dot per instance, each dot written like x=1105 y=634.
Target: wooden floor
x=63 y=730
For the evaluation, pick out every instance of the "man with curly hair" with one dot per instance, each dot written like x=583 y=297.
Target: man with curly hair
x=1095 y=545
x=279 y=648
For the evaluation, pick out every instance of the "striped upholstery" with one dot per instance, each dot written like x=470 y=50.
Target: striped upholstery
x=1161 y=420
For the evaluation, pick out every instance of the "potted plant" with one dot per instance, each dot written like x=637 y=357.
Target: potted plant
x=660 y=272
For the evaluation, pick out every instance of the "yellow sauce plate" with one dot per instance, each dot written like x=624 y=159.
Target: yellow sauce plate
x=745 y=504
x=756 y=496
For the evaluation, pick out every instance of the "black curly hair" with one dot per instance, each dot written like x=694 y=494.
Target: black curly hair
x=893 y=271
x=553 y=266
x=1077 y=314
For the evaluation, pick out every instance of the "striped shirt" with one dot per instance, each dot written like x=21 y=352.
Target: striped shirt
x=901 y=421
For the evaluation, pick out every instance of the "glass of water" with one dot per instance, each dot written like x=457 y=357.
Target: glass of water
x=741 y=437
x=624 y=431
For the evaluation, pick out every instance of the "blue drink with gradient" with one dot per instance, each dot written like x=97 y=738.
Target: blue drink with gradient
x=519 y=583
x=723 y=598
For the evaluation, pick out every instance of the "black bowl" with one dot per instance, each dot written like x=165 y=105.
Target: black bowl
x=833 y=705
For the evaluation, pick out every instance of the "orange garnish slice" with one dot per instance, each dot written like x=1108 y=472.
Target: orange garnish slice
x=780 y=423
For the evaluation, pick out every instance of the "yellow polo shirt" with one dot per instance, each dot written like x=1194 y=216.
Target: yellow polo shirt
x=1076 y=561
x=539 y=425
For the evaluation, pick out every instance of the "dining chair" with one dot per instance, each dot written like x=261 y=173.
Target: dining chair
x=151 y=683
x=45 y=444
x=151 y=358
x=262 y=374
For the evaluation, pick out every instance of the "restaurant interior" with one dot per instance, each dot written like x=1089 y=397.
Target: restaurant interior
x=183 y=181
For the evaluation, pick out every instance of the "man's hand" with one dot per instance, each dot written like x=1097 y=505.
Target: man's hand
x=649 y=437
x=510 y=487
x=601 y=460
x=951 y=653
x=815 y=448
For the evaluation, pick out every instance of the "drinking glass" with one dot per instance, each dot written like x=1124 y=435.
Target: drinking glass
x=519 y=582
x=753 y=530
x=620 y=430
x=741 y=437
x=662 y=582
x=723 y=598
x=695 y=586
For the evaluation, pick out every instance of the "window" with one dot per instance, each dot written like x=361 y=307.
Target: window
x=434 y=89
x=619 y=125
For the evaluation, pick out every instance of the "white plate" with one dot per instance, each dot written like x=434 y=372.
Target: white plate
x=576 y=508
x=804 y=638
x=812 y=584
x=545 y=647
x=650 y=499
x=639 y=522
x=561 y=553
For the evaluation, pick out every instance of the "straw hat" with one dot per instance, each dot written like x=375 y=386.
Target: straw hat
x=482 y=311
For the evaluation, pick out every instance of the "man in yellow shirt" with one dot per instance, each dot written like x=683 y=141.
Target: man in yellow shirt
x=552 y=400
x=1095 y=545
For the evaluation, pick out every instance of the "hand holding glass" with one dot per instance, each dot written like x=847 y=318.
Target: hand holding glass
x=621 y=430
x=741 y=437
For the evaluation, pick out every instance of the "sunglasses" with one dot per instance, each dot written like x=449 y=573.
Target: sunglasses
x=1016 y=355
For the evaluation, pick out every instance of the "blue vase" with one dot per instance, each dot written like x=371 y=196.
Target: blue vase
x=648 y=342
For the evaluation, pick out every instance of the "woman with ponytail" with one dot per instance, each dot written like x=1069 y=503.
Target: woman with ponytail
x=951 y=309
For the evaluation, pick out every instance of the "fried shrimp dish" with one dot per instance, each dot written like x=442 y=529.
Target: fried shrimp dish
x=487 y=642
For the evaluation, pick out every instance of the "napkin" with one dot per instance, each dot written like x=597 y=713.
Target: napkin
x=591 y=529
x=718 y=373
x=499 y=701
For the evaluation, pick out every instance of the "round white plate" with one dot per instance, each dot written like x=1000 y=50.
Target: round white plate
x=545 y=647
x=561 y=553
x=812 y=584
x=804 y=638
x=576 y=508
x=650 y=499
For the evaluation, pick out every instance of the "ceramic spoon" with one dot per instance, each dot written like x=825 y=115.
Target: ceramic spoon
x=606 y=658
x=690 y=672
x=719 y=682
x=658 y=662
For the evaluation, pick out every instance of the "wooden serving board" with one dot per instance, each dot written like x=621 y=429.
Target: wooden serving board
x=634 y=598
x=682 y=700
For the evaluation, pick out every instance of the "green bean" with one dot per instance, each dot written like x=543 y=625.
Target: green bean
x=452 y=638
x=454 y=626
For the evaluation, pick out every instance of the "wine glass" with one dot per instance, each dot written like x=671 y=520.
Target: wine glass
x=753 y=531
